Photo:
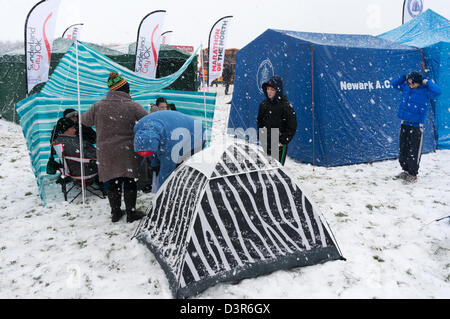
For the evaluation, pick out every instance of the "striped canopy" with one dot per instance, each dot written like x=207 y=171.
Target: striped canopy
x=81 y=64
x=237 y=215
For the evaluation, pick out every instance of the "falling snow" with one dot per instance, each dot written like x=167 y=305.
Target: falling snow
x=385 y=229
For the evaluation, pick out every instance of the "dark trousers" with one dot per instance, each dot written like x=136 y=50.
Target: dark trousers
x=114 y=191
x=410 y=148
x=148 y=180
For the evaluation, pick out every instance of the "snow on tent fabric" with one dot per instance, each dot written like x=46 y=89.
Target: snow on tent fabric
x=228 y=213
x=339 y=86
x=39 y=112
x=431 y=32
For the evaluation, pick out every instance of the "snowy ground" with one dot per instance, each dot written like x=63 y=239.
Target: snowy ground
x=384 y=229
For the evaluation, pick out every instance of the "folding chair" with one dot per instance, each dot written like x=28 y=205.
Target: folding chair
x=66 y=177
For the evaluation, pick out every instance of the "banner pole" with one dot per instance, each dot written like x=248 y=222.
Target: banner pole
x=64 y=33
x=164 y=33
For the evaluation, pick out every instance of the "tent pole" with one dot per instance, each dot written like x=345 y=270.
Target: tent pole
x=80 y=130
x=312 y=102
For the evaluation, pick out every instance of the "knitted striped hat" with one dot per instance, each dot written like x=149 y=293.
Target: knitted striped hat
x=116 y=81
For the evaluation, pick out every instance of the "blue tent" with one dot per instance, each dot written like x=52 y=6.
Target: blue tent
x=431 y=32
x=339 y=86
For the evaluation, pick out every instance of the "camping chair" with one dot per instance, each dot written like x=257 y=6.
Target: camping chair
x=66 y=177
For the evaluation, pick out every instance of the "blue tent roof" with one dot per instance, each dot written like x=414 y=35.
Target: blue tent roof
x=424 y=30
x=342 y=40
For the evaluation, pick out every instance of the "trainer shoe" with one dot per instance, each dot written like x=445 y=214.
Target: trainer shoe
x=402 y=175
x=409 y=179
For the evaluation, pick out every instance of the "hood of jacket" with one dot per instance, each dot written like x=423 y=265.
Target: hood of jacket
x=277 y=83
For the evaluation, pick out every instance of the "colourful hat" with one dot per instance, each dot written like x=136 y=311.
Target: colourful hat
x=116 y=81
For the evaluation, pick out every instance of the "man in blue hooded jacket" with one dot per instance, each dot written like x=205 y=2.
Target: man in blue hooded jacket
x=416 y=95
x=170 y=138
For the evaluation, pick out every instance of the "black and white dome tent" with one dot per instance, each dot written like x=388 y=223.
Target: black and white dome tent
x=228 y=213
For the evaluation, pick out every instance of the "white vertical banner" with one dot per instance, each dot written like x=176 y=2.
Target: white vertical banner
x=216 y=48
x=411 y=9
x=148 y=43
x=39 y=32
x=166 y=37
x=73 y=32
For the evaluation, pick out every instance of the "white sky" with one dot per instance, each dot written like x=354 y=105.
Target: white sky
x=114 y=21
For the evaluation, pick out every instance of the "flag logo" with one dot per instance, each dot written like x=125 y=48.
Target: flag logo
x=415 y=7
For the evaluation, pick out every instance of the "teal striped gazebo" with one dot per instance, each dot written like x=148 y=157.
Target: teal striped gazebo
x=79 y=81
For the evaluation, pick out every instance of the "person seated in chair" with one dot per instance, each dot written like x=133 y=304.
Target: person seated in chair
x=71 y=148
x=88 y=134
x=71 y=114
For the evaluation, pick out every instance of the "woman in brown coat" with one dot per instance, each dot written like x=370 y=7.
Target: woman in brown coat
x=114 y=118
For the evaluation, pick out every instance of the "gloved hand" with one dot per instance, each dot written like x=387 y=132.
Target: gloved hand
x=425 y=81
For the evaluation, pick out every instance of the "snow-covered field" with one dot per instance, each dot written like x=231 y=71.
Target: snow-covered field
x=385 y=229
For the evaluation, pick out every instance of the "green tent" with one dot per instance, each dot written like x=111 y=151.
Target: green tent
x=170 y=60
x=13 y=80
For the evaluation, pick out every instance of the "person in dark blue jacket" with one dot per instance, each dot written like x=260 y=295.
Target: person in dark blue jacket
x=276 y=114
x=416 y=94
x=170 y=138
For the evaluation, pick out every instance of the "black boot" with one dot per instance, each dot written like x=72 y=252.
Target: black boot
x=115 y=200
x=116 y=215
x=129 y=195
x=134 y=215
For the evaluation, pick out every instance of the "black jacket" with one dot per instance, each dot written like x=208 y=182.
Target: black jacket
x=88 y=133
x=71 y=144
x=277 y=113
x=226 y=75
